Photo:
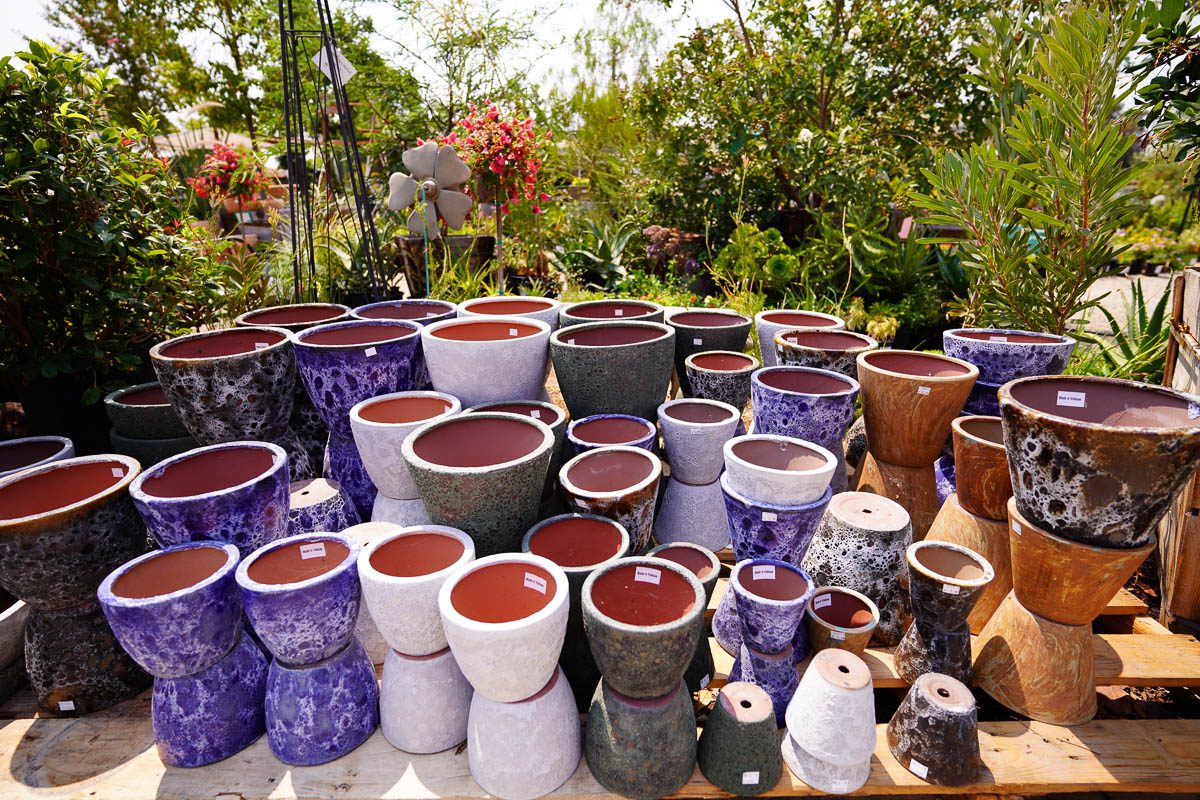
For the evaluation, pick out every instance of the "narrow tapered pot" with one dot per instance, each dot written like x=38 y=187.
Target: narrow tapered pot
x=295 y=317
x=544 y=309
x=836 y=351
x=721 y=375
x=769 y=323
x=934 y=733
x=236 y=492
x=421 y=311
x=701 y=330
x=840 y=618
x=707 y=568
x=591 y=311
x=482 y=473
x=988 y=538
x=981 y=466
x=914 y=488
x=737 y=748
x=319 y=504
x=143 y=412
x=779 y=470
x=770 y=530
x=770 y=597
x=692 y=513
x=17 y=455
x=831 y=718
x=694 y=433
x=620 y=483
x=773 y=673
x=543 y=412
x=607 y=430
x=488 y=359
x=1097 y=460
x=423 y=702
x=1003 y=355
x=613 y=367
x=381 y=424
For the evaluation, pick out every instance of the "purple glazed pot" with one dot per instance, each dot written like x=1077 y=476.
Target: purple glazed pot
x=815 y=405
x=1003 y=355
x=424 y=312
x=765 y=530
x=301 y=594
x=608 y=430
x=319 y=505
x=17 y=455
x=175 y=611
x=235 y=492
x=203 y=718
x=984 y=400
x=774 y=674
x=344 y=465
x=770 y=597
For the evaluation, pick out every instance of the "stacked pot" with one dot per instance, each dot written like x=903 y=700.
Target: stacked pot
x=769 y=323
x=620 y=483
x=144 y=425
x=722 y=375
x=1003 y=355
x=836 y=351
x=607 y=430
x=423 y=311
x=701 y=330
x=705 y=565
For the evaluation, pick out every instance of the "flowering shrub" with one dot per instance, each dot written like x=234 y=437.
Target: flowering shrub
x=673 y=249
x=230 y=172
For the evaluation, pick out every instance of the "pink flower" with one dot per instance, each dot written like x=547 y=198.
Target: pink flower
x=543 y=197
x=504 y=208
x=537 y=210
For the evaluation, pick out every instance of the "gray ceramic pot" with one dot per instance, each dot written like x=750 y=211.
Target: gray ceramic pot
x=295 y=317
x=770 y=322
x=543 y=412
x=613 y=367
x=609 y=311
x=143 y=412
x=832 y=350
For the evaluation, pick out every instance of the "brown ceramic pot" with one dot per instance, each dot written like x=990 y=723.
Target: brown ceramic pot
x=840 y=618
x=620 y=483
x=981 y=466
x=989 y=538
x=914 y=488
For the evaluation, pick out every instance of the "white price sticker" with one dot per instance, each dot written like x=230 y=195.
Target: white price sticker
x=314 y=550
x=922 y=390
x=705 y=681
x=618 y=312
x=345 y=70
x=1016 y=528
x=839 y=785
x=261 y=345
x=512 y=331
x=697 y=341
x=370 y=351
x=1072 y=399
x=118 y=472
x=763 y=572
x=750 y=778
x=823 y=601
x=917 y=768
x=66 y=705
x=570 y=341
x=534 y=582
x=998 y=338
x=838 y=635
x=950 y=588
x=769 y=516
x=647 y=575
x=536 y=413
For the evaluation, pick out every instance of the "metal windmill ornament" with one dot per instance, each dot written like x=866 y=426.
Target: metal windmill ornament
x=436 y=175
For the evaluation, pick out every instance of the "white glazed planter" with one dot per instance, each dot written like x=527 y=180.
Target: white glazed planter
x=424 y=702
x=404 y=513
x=832 y=714
x=694 y=432
x=511 y=364
x=768 y=323
x=694 y=514
x=379 y=440
x=545 y=309
x=767 y=468
x=514 y=656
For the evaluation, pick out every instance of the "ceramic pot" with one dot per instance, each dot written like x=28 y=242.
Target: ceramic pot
x=934 y=733
x=482 y=473
x=606 y=430
x=236 y=492
x=774 y=674
x=691 y=513
x=707 y=568
x=319 y=504
x=301 y=594
x=150 y=451
x=234 y=385
x=721 y=375
x=813 y=405
x=769 y=530
x=401 y=513
x=641 y=749
x=175 y=611
x=613 y=367
x=365 y=628
x=778 y=469
x=423 y=702
x=143 y=412
x=769 y=323
x=1003 y=355
x=543 y=755
x=836 y=351
x=694 y=432
x=591 y=311
x=205 y=717
x=17 y=455
x=981 y=466
x=701 y=330
x=1097 y=460
x=769 y=597
x=405 y=569
x=488 y=359
x=840 y=618
x=643 y=617
x=988 y=538
x=736 y=751
x=823 y=776
x=915 y=488
x=423 y=311
x=322 y=711
x=943 y=476
x=544 y=309
x=64 y=526
x=295 y=317
x=505 y=617
x=620 y=483
x=984 y=400
x=546 y=413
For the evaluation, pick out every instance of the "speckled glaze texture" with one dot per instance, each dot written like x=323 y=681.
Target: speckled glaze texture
x=248 y=515
x=692 y=339
x=1001 y=361
x=423 y=702
x=739 y=755
x=821 y=775
x=333 y=514
x=767 y=329
x=983 y=399
x=944 y=479
x=768 y=626
x=1098 y=484
x=552 y=416
x=321 y=712
x=756 y=534
x=925 y=648
x=693 y=514
x=577 y=445
x=182 y=632
x=695 y=448
x=774 y=674
x=633 y=509
x=935 y=737
x=158 y=421
x=200 y=719
x=723 y=386
x=641 y=750
x=344 y=465
x=489 y=371
x=790 y=354
x=648 y=312
x=616 y=379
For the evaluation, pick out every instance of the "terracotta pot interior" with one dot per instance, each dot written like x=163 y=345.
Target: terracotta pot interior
x=707 y=319
x=780 y=455
x=503 y=592
x=721 y=362
x=791 y=380
x=471 y=441
x=610 y=471
x=786 y=585
x=989 y=429
x=294 y=315
x=611 y=430
x=408 y=311
x=844 y=610
x=232 y=342
x=170 y=572
x=1011 y=338
x=920 y=365
x=1107 y=403
x=486 y=331
x=401 y=410
x=150 y=396
x=700 y=413
x=798 y=319
x=15 y=456
x=576 y=542
x=699 y=564
x=415 y=554
x=210 y=471
x=610 y=336
x=531 y=410
x=619 y=595
x=59 y=487
x=503 y=307
x=831 y=342
x=287 y=564
x=948 y=563
x=357 y=334
x=606 y=310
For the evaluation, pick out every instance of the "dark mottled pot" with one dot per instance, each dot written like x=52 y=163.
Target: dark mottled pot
x=17 y=455
x=764 y=530
x=632 y=504
x=1104 y=473
x=738 y=751
x=189 y=627
x=591 y=311
x=642 y=749
x=200 y=719
x=321 y=712
x=772 y=321
x=248 y=514
x=705 y=565
x=613 y=367
x=64 y=526
x=646 y=439
x=1003 y=355
x=934 y=733
x=344 y=465
x=702 y=329
x=836 y=351
x=721 y=375
x=774 y=674
x=143 y=412
x=546 y=413
x=319 y=505
x=924 y=648
x=303 y=621
x=983 y=400
x=150 y=451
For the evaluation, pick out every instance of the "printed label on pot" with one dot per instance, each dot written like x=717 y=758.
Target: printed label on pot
x=1072 y=399
x=917 y=768
x=618 y=312
x=570 y=341
x=705 y=681
x=1016 y=528
x=998 y=338
x=763 y=572
x=512 y=331
x=950 y=588
x=750 y=778
x=697 y=341
x=314 y=550
x=823 y=600
x=261 y=345
x=922 y=390
x=647 y=575
x=839 y=635
x=839 y=785
x=536 y=413
x=118 y=472
x=66 y=705
x=769 y=516
x=534 y=582
x=370 y=351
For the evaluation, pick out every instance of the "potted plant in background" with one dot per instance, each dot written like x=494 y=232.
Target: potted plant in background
x=231 y=175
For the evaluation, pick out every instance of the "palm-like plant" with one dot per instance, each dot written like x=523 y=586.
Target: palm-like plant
x=606 y=255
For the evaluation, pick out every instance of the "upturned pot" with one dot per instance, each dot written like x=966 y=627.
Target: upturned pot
x=765 y=607
x=482 y=473
x=737 y=748
x=840 y=618
x=769 y=323
x=544 y=309
x=143 y=412
x=591 y=311
x=770 y=530
x=422 y=311
x=620 y=483
x=488 y=359
x=423 y=702
x=934 y=733
x=777 y=469
x=301 y=595
x=721 y=375
x=694 y=433
x=236 y=492
x=546 y=413
x=381 y=424
x=1003 y=355
x=700 y=330
x=984 y=400
x=775 y=674
x=607 y=430
x=541 y=757
x=319 y=504
x=813 y=405
x=704 y=564
x=643 y=617
x=175 y=611
x=988 y=538
x=17 y=455
x=295 y=317
x=692 y=513
x=836 y=351
x=613 y=367
x=1097 y=460
x=981 y=466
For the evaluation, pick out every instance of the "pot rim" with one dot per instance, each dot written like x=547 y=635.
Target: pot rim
x=910 y=555
x=241 y=319
x=413 y=330
x=1006 y=399
x=650 y=306
x=746 y=501
x=761 y=317
x=864 y=362
x=664 y=418
x=697 y=608
x=448 y=308
x=729 y=455
x=560 y=414
x=64 y=445
x=651 y=429
x=410 y=456
x=368 y=550
x=557 y=338
x=284 y=667
x=357 y=409
x=555 y=304
x=811 y=613
x=570 y=487
x=113 y=398
x=156 y=350
x=429 y=330
x=622 y=551
x=226 y=570
x=689 y=362
x=278 y=462
x=726 y=312
x=853 y=388
x=956 y=425
x=709 y=554
x=1017 y=519
x=249 y=584
x=557 y=601
x=134 y=469
x=736 y=583
x=1062 y=340
x=868 y=345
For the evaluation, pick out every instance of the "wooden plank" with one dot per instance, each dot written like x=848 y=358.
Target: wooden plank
x=1131 y=624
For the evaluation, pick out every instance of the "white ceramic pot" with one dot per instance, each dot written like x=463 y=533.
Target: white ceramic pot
x=778 y=470
x=545 y=309
x=769 y=323
x=694 y=514
x=381 y=424
x=424 y=702
x=832 y=715
x=694 y=431
x=365 y=629
x=404 y=513
x=488 y=359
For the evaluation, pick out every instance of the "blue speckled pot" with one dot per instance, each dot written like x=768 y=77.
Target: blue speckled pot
x=770 y=597
x=645 y=440
x=321 y=712
x=235 y=492
x=332 y=513
x=764 y=530
x=424 y=312
x=984 y=400
x=202 y=718
x=815 y=405
x=1003 y=355
x=943 y=473
x=774 y=674
x=344 y=466
x=302 y=617
x=189 y=626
